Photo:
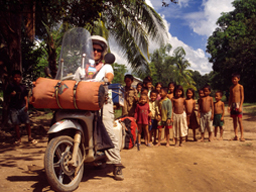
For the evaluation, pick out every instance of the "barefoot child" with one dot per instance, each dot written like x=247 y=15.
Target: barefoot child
x=19 y=106
x=201 y=95
x=179 y=118
x=138 y=88
x=190 y=105
x=158 y=89
x=171 y=87
x=147 y=82
x=218 y=119
x=236 y=100
x=130 y=97
x=154 y=112
x=165 y=108
x=205 y=113
x=142 y=118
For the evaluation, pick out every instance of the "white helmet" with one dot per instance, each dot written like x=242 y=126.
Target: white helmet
x=96 y=39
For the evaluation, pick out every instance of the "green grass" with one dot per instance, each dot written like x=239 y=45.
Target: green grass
x=249 y=104
x=118 y=113
x=250 y=108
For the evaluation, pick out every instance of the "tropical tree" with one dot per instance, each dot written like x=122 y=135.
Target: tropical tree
x=119 y=71
x=167 y=68
x=161 y=65
x=181 y=75
x=232 y=47
x=202 y=80
x=131 y=25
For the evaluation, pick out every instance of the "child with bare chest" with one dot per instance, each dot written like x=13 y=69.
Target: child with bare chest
x=218 y=119
x=190 y=105
x=205 y=113
x=171 y=87
x=179 y=115
x=236 y=100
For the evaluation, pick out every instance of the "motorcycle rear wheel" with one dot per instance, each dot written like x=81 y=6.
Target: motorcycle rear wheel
x=60 y=175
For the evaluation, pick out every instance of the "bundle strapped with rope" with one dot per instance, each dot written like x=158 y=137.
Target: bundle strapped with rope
x=67 y=94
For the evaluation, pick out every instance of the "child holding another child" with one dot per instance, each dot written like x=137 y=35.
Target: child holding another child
x=179 y=115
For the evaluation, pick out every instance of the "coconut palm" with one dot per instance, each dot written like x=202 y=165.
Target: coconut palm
x=131 y=25
x=181 y=74
x=161 y=64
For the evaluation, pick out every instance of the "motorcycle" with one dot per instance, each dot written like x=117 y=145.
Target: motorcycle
x=73 y=136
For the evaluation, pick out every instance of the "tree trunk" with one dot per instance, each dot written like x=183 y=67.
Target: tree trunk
x=10 y=26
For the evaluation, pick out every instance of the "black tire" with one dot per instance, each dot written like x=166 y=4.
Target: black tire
x=59 y=175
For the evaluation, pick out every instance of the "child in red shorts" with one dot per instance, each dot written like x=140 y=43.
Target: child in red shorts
x=165 y=108
x=236 y=100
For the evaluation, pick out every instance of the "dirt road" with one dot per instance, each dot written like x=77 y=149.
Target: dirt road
x=216 y=166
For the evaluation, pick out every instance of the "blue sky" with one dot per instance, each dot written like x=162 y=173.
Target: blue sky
x=189 y=24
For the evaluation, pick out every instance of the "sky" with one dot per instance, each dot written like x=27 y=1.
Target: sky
x=189 y=24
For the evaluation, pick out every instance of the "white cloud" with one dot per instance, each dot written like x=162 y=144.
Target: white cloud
x=204 y=22
x=149 y=3
x=196 y=58
x=183 y=3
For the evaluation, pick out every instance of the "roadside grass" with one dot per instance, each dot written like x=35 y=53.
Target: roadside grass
x=250 y=108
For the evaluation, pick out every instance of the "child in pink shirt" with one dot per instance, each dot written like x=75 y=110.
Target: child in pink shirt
x=142 y=118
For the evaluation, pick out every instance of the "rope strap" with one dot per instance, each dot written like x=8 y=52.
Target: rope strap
x=57 y=94
x=74 y=96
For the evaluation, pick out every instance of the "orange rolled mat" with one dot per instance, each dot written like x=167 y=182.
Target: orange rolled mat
x=67 y=94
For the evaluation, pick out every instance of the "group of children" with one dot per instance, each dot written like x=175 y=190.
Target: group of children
x=156 y=109
x=167 y=108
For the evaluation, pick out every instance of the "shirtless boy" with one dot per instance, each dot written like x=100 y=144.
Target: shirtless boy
x=205 y=113
x=218 y=119
x=235 y=104
x=179 y=117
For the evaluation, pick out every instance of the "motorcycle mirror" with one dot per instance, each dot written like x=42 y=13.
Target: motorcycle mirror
x=109 y=58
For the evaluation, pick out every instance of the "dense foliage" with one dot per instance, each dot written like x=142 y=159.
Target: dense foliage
x=168 y=68
x=232 y=47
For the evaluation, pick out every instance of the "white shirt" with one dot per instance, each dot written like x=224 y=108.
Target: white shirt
x=107 y=68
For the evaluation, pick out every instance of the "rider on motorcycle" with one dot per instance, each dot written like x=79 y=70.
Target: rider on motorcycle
x=105 y=71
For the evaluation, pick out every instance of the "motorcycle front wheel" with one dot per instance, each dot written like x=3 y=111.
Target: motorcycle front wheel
x=60 y=175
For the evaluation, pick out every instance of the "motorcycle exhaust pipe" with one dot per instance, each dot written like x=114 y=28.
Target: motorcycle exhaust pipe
x=77 y=141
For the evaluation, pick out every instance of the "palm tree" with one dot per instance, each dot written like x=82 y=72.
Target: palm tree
x=161 y=64
x=181 y=74
x=131 y=25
